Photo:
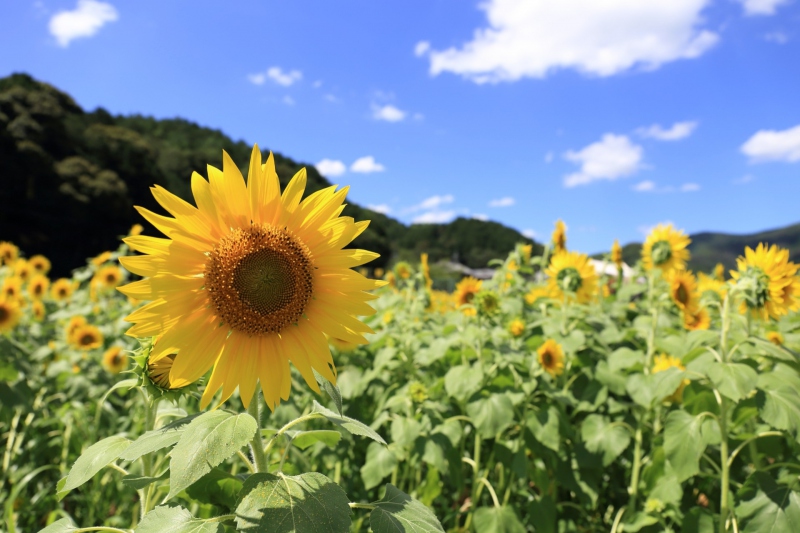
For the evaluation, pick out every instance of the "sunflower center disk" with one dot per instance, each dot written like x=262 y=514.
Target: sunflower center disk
x=260 y=279
x=682 y=295
x=569 y=279
x=661 y=252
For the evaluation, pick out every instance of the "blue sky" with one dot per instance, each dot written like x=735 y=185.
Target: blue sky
x=523 y=111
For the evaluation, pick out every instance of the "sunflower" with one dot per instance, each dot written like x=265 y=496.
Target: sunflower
x=159 y=371
x=135 y=230
x=775 y=337
x=75 y=323
x=87 y=337
x=535 y=293
x=719 y=272
x=665 y=362
x=40 y=264
x=665 y=248
x=683 y=288
x=109 y=276
x=249 y=280
x=403 y=270
x=706 y=283
x=378 y=272
x=551 y=357
x=12 y=288
x=391 y=280
x=571 y=275
x=37 y=286
x=559 y=237
x=22 y=269
x=439 y=302
x=61 y=290
x=465 y=292
x=8 y=253
x=487 y=302
x=100 y=259
x=9 y=314
x=39 y=310
x=426 y=271
x=695 y=318
x=115 y=360
x=516 y=327
x=526 y=250
x=768 y=281
x=616 y=252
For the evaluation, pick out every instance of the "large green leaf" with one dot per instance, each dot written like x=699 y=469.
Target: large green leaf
x=308 y=503
x=218 y=487
x=733 y=380
x=96 y=457
x=545 y=427
x=175 y=520
x=463 y=381
x=64 y=525
x=332 y=390
x=542 y=514
x=491 y=415
x=768 y=506
x=380 y=462
x=698 y=520
x=350 y=424
x=778 y=403
x=304 y=439
x=624 y=359
x=157 y=439
x=398 y=512
x=601 y=436
x=497 y=520
x=405 y=431
x=207 y=441
x=684 y=443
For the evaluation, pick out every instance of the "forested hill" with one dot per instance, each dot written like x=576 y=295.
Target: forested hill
x=70 y=180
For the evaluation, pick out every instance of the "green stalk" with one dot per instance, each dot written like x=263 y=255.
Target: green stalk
x=633 y=490
x=723 y=422
x=475 y=480
x=257 y=444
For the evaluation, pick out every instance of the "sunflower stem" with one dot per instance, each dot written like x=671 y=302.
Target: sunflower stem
x=257 y=444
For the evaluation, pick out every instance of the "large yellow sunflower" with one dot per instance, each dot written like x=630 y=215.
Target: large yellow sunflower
x=61 y=290
x=74 y=324
x=707 y=283
x=683 y=289
x=559 y=237
x=8 y=253
x=665 y=248
x=571 y=276
x=769 y=282
x=9 y=314
x=551 y=357
x=249 y=280
x=465 y=292
x=695 y=318
x=40 y=264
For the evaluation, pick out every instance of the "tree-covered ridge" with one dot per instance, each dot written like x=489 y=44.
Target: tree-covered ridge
x=71 y=179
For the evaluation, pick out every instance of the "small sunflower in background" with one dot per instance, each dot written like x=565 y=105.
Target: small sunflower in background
x=571 y=276
x=664 y=362
x=74 y=324
x=775 y=337
x=12 y=288
x=22 y=270
x=101 y=259
x=665 y=249
x=61 y=290
x=403 y=270
x=487 y=302
x=616 y=253
x=516 y=327
x=683 y=288
x=9 y=314
x=87 y=337
x=465 y=292
x=39 y=311
x=706 y=283
x=37 y=286
x=115 y=360
x=719 y=272
x=526 y=250
x=559 y=237
x=551 y=357
x=533 y=295
x=40 y=264
x=8 y=253
x=768 y=281
x=109 y=276
x=695 y=318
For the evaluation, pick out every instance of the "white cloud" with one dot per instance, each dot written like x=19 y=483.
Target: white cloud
x=531 y=38
x=388 y=112
x=690 y=187
x=529 y=233
x=679 y=130
x=331 y=98
x=380 y=208
x=421 y=48
x=772 y=145
x=610 y=158
x=284 y=78
x=435 y=217
x=506 y=201
x=777 y=37
x=366 y=165
x=84 y=21
x=317 y=84
x=331 y=168
x=761 y=7
x=645 y=186
x=433 y=202
x=747 y=178
x=480 y=216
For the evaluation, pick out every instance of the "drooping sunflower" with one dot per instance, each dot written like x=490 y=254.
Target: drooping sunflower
x=12 y=288
x=109 y=276
x=551 y=357
x=768 y=280
x=665 y=248
x=39 y=310
x=465 y=292
x=683 y=288
x=616 y=253
x=8 y=253
x=22 y=269
x=87 y=337
x=115 y=360
x=706 y=283
x=695 y=318
x=40 y=264
x=61 y=290
x=664 y=362
x=516 y=327
x=249 y=280
x=571 y=276
x=37 y=286
x=9 y=314
x=559 y=237
x=775 y=337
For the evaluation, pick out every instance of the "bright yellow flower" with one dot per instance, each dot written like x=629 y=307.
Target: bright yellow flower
x=115 y=360
x=87 y=337
x=8 y=253
x=39 y=310
x=9 y=314
x=526 y=250
x=665 y=248
x=440 y=302
x=37 y=286
x=551 y=357
x=74 y=324
x=683 y=288
x=665 y=362
x=403 y=270
x=12 y=288
x=769 y=282
x=40 y=264
x=135 y=230
x=249 y=280
x=571 y=276
x=391 y=279
x=512 y=265
x=516 y=327
x=695 y=318
x=775 y=337
x=426 y=271
x=465 y=292
x=707 y=283
x=559 y=237
x=22 y=269
x=109 y=276
x=102 y=258
x=61 y=290
x=616 y=252
x=719 y=272
x=387 y=317
x=535 y=293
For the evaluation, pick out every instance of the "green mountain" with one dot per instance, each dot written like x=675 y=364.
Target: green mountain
x=71 y=179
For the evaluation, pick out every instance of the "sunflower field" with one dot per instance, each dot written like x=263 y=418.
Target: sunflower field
x=246 y=371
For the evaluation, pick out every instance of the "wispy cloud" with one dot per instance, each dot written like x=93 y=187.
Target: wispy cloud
x=506 y=201
x=679 y=130
x=331 y=167
x=529 y=233
x=777 y=37
x=645 y=186
x=481 y=217
x=690 y=187
x=650 y=186
x=388 y=113
x=284 y=79
x=773 y=145
x=761 y=7
x=366 y=165
x=380 y=208
x=747 y=178
x=610 y=158
x=84 y=21
x=435 y=217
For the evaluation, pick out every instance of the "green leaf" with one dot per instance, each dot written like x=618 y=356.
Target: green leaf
x=305 y=439
x=768 y=506
x=7 y=371
x=542 y=514
x=497 y=520
x=308 y=503
x=398 y=512
x=778 y=404
x=640 y=389
x=380 y=463
x=625 y=359
x=640 y=521
x=175 y=520
x=491 y=415
x=545 y=428
x=157 y=439
x=207 y=441
x=733 y=380
x=95 y=458
x=64 y=525
x=684 y=443
x=698 y=520
x=332 y=390
x=140 y=482
x=350 y=424
x=217 y=487
x=600 y=436
x=405 y=431
x=463 y=381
